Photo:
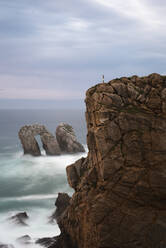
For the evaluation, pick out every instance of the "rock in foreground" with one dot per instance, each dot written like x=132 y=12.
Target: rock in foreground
x=120 y=198
x=6 y=245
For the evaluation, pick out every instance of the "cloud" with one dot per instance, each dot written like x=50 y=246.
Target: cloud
x=32 y=93
x=61 y=48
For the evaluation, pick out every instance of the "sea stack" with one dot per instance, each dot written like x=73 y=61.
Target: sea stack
x=120 y=198
x=67 y=139
x=30 y=146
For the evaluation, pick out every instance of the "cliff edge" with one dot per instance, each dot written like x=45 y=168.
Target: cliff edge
x=120 y=188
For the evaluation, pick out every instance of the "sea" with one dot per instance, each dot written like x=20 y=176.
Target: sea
x=30 y=183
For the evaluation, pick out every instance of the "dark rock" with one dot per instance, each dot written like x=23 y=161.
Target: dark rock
x=19 y=219
x=46 y=242
x=76 y=171
x=120 y=195
x=24 y=240
x=6 y=245
x=61 y=241
x=30 y=146
x=62 y=202
x=67 y=139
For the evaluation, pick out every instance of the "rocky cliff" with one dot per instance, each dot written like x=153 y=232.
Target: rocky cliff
x=120 y=188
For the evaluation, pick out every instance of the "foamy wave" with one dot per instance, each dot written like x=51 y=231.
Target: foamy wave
x=38 y=227
x=28 y=181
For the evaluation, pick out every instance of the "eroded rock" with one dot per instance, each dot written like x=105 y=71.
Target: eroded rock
x=67 y=139
x=30 y=146
x=67 y=142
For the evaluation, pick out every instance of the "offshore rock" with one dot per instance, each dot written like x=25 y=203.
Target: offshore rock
x=30 y=146
x=6 y=245
x=120 y=195
x=67 y=139
x=50 y=144
x=24 y=240
x=19 y=219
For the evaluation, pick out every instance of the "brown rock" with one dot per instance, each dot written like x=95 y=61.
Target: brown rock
x=62 y=202
x=67 y=139
x=120 y=191
x=30 y=146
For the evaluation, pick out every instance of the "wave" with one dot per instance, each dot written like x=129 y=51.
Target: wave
x=32 y=184
x=38 y=227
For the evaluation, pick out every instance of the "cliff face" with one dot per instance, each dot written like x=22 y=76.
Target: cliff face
x=120 y=188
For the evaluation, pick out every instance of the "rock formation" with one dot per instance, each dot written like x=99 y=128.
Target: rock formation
x=62 y=202
x=30 y=146
x=6 y=245
x=120 y=188
x=19 y=219
x=67 y=142
x=67 y=139
x=24 y=240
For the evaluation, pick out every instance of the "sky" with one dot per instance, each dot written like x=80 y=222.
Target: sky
x=53 y=51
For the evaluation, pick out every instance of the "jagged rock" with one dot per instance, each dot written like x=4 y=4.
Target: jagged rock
x=61 y=241
x=76 y=171
x=30 y=146
x=46 y=242
x=19 y=219
x=67 y=139
x=125 y=206
x=24 y=240
x=62 y=202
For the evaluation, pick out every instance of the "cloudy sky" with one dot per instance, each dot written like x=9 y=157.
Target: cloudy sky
x=53 y=51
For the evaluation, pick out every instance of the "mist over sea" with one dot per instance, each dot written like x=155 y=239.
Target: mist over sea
x=29 y=183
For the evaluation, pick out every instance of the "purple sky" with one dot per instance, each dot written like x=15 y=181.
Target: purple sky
x=55 y=50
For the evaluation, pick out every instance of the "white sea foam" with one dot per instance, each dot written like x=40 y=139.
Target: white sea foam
x=38 y=227
x=31 y=183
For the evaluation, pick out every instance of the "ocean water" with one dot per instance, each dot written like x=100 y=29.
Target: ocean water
x=29 y=183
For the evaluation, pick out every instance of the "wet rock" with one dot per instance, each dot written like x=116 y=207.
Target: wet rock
x=30 y=146
x=46 y=242
x=24 y=240
x=19 y=219
x=67 y=139
x=120 y=191
x=61 y=241
x=6 y=245
x=62 y=202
